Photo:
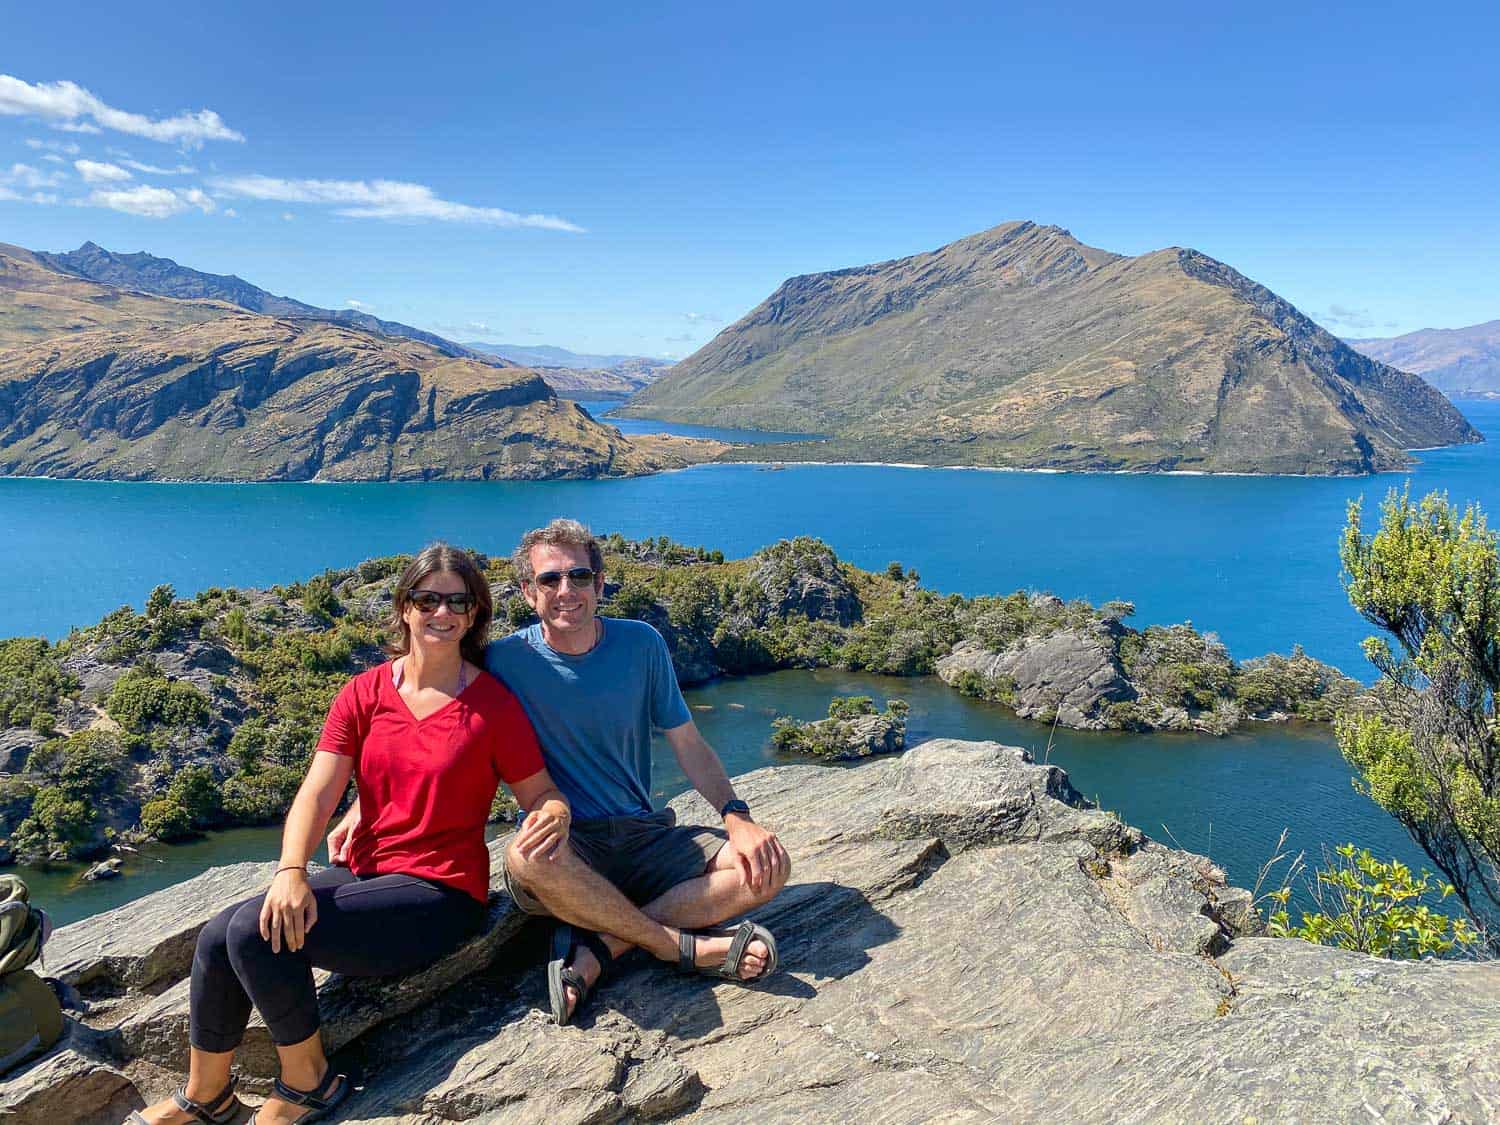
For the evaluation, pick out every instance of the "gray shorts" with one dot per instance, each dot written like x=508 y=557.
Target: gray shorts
x=644 y=856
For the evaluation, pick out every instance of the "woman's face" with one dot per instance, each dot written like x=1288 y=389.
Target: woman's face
x=431 y=629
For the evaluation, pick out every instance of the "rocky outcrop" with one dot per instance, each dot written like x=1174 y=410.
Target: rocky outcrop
x=1067 y=676
x=962 y=940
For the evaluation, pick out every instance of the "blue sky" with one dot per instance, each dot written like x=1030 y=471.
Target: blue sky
x=1348 y=157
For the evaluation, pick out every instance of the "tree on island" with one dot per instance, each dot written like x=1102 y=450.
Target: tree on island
x=1426 y=746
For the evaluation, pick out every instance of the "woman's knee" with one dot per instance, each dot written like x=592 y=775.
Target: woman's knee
x=213 y=940
x=242 y=930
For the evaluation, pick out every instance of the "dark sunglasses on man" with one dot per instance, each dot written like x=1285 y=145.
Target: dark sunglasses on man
x=578 y=576
x=427 y=601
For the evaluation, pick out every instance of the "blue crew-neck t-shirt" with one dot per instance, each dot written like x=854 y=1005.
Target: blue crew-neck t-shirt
x=594 y=713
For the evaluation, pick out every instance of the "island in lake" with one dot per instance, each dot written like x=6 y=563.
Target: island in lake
x=203 y=712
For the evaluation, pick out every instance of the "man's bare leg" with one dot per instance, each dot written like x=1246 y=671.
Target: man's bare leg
x=717 y=894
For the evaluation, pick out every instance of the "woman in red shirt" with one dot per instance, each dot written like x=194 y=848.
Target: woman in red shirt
x=427 y=737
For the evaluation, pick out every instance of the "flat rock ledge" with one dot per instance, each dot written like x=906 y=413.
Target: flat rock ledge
x=962 y=940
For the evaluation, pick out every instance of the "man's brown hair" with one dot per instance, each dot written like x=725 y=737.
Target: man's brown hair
x=558 y=533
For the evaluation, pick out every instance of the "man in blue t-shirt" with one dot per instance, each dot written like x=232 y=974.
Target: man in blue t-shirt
x=594 y=689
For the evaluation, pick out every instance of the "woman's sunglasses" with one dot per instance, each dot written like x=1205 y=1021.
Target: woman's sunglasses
x=578 y=576
x=428 y=600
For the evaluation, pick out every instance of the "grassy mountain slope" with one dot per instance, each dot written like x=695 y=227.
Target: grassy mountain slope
x=1461 y=362
x=38 y=301
x=1022 y=347
x=247 y=397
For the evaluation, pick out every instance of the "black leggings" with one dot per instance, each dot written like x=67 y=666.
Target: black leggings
x=366 y=927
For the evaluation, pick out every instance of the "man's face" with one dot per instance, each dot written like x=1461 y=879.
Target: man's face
x=565 y=609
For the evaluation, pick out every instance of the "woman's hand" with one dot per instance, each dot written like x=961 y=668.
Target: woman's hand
x=546 y=831
x=342 y=836
x=289 y=910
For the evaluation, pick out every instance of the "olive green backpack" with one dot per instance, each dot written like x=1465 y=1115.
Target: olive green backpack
x=30 y=1017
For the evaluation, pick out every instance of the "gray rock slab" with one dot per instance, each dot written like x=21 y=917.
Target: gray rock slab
x=147 y=944
x=69 y=1086
x=1067 y=674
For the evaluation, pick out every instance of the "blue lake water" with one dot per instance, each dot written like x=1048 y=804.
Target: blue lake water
x=600 y=409
x=1254 y=559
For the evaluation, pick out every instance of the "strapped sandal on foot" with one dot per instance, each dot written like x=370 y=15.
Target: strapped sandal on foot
x=561 y=975
x=221 y=1110
x=741 y=935
x=319 y=1100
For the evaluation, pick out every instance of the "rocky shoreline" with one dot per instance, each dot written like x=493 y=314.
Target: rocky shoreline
x=963 y=939
x=201 y=713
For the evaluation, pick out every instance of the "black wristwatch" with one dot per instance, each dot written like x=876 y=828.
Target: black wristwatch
x=735 y=805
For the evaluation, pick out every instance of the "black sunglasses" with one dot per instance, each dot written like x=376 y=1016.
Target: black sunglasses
x=578 y=575
x=428 y=600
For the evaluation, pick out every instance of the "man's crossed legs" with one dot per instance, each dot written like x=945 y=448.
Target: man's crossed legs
x=642 y=881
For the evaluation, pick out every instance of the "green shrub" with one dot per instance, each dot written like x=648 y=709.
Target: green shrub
x=91 y=763
x=143 y=698
x=165 y=819
x=1295 y=685
x=850 y=706
x=261 y=797
x=319 y=599
x=1374 y=907
x=58 y=824
x=32 y=682
x=196 y=791
x=995 y=689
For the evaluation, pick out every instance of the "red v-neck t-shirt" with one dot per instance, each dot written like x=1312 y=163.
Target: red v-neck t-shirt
x=426 y=785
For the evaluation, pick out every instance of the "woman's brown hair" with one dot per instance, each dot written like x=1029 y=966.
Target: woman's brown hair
x=433 y=559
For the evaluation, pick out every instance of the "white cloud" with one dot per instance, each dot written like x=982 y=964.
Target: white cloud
x=30 y=177
x=382 y=199
x=287 y=216
x=151 y=202
x=100 y=172
x=359 y=306
x=154 y=170
x=68 y=147
x=477 y=326
x=68 y=106
x=231 y=213
x=53 y=158
x=702 y=318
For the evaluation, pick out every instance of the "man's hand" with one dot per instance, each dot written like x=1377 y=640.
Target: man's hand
x=758 y=853
x=342 y=836
x=545 y=832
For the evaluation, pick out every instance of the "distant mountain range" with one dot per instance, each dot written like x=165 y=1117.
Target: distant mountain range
x=1460 y=362
x=100 y=381
x=1022 y=347
x=147 y=273
x=544 y=355
x=582 y=376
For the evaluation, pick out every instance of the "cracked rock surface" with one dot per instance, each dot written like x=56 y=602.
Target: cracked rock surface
x=961 y=941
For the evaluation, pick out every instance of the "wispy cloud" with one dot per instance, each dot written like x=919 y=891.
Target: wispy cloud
x=381 y=199
x=100 y=172
x=71 y=108
x=30 y=176
x=22 y=183
x=702 y=318
x=358 y=306
x=153 y=170
x=67 y=148
x=685 y=338
x=1348 y=319
x=151 y=202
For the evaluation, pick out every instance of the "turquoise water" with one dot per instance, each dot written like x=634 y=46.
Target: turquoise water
x=1229 y=798
x=1253 y=558
x=600 y=409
